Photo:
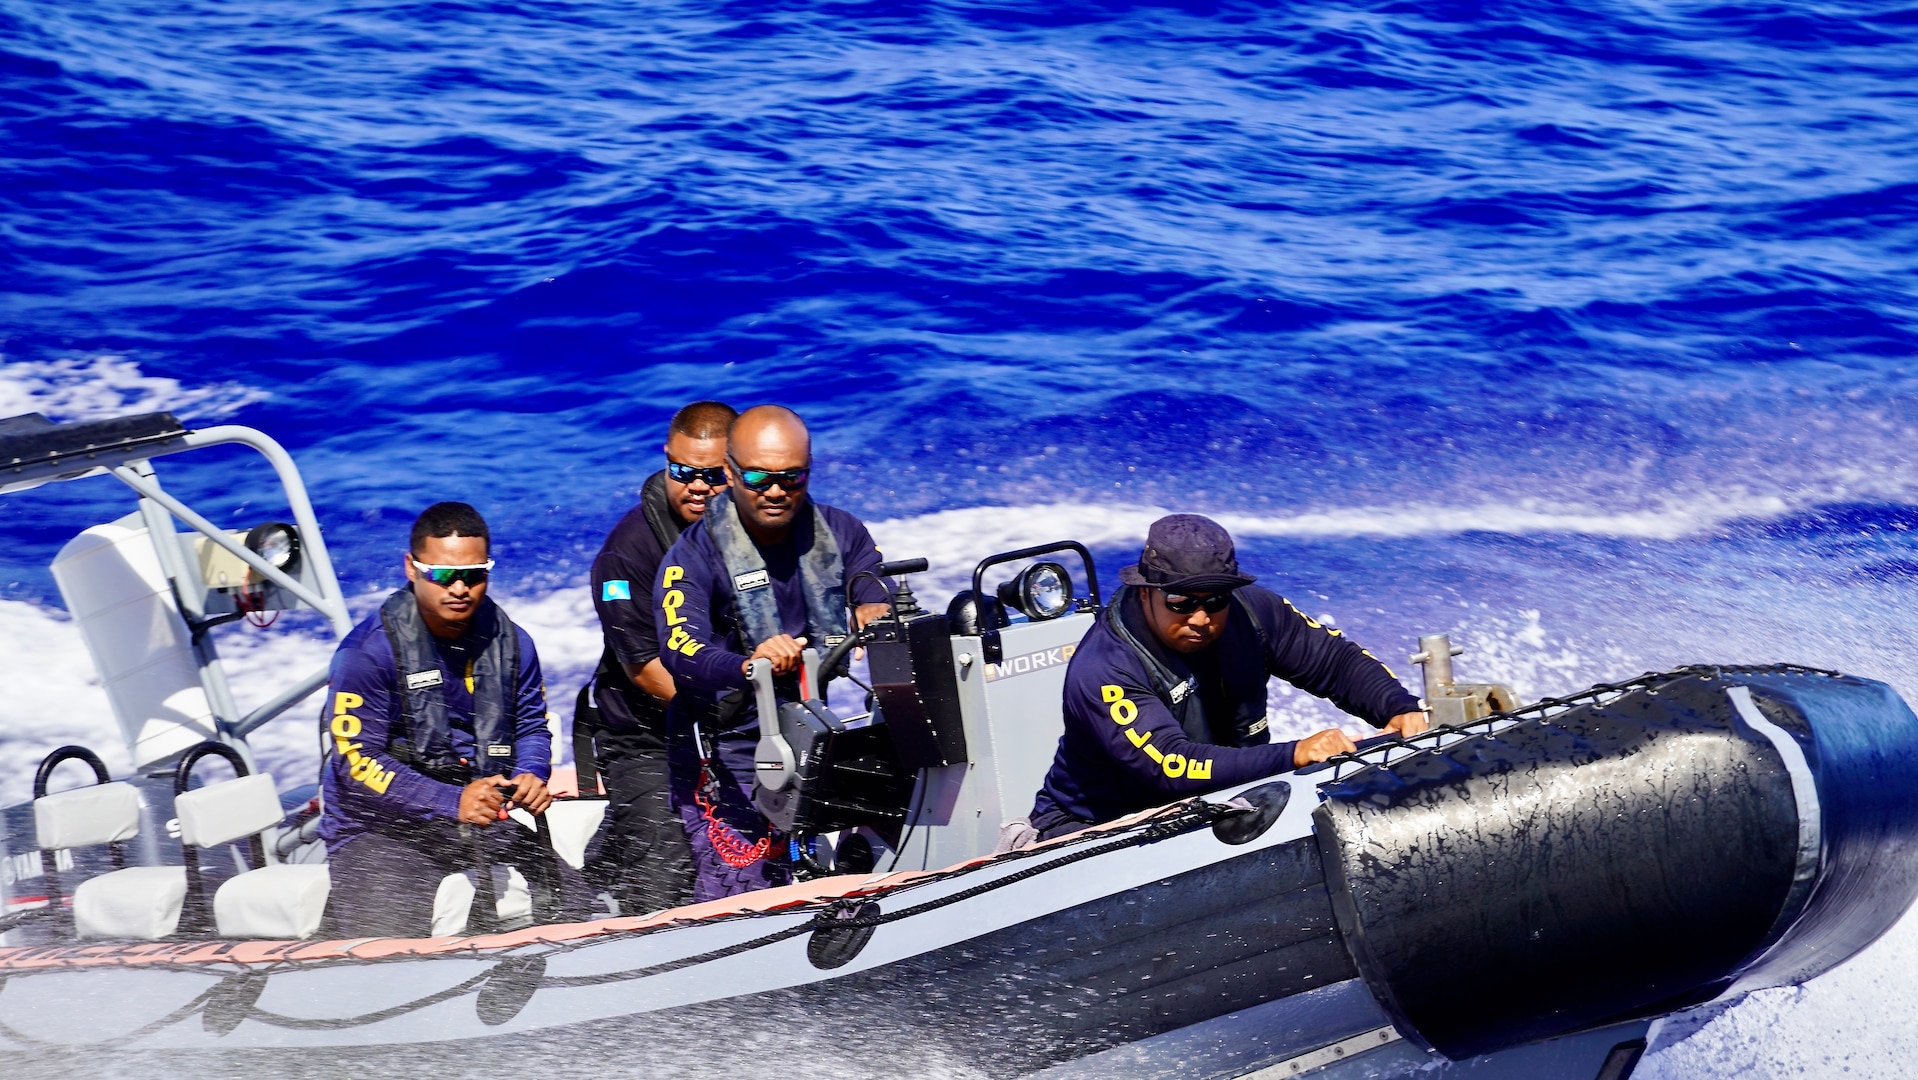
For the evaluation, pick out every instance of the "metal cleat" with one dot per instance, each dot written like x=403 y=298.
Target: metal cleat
x=1451 y=703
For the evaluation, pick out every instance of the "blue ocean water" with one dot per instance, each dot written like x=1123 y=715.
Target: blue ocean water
x=1585 y=333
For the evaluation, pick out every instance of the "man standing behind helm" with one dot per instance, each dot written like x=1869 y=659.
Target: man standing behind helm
x=764 y=573
x=1165 y=697
x=647 y=864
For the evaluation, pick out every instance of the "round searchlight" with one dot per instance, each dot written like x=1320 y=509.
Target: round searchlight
x=1041 y=591
x=278 y=543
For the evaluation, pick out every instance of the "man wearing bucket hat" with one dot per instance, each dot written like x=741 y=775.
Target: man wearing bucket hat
x=1165 y=697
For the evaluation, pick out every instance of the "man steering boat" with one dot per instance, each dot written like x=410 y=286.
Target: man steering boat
x=765 y=572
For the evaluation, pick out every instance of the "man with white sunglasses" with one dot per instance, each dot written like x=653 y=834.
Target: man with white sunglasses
x=435 y=717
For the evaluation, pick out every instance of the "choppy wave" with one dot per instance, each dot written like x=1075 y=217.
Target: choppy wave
x=104 y=386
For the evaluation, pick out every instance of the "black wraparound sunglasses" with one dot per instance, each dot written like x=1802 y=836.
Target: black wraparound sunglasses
x=686 y=474
x=761 y=479
x=1186 y=605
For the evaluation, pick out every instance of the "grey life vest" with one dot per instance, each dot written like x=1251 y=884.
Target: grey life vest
x=821 y=571
x=1242 y=665
x=425 y=741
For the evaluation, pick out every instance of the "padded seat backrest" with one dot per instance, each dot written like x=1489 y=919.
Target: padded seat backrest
x=227 y=811
x=83 y=817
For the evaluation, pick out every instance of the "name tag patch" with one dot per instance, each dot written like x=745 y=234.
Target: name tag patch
x=1184 y=690
x=616 y=590
x=757 y=579
x=1258 y=727
x=420 y=680
x=499 y=749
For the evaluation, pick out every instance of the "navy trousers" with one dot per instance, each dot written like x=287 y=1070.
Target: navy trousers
x=734 y=820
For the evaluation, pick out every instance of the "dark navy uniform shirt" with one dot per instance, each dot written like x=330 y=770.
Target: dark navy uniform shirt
x=702 y=643
x=623 y=576
x=364 y=785
x=1124 y=750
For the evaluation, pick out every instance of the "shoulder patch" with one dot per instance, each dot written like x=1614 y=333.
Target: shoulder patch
x=616 y=590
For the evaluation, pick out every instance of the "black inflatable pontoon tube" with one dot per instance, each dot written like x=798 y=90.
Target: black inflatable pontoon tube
x=1713 y=831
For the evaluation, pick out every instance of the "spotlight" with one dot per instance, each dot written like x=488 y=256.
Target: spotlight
x=278 y=543
x=1041 y=591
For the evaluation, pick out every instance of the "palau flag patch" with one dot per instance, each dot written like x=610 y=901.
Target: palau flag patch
x=616 y=590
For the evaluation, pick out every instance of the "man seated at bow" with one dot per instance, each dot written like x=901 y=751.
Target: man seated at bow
x=1165 y=697
x=436 y=719
x=765 y=572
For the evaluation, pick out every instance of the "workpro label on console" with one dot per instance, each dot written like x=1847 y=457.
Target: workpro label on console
x=1030 y=662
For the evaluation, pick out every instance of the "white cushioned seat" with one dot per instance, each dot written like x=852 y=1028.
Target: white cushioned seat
x=83 y=817
x=138 y=902
x=283 y=902
x=224 y=812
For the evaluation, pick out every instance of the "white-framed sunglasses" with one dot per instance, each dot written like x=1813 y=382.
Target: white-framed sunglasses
x=474 y=574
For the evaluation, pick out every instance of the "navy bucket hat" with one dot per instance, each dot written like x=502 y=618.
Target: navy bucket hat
x=1186 y=553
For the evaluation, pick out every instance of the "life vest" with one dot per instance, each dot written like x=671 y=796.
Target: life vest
x=1241 y=656
x=822 y=573
x=425 y=741
x=659 y=512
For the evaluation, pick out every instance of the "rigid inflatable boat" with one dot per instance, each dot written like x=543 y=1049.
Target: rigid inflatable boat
x=1537 y=890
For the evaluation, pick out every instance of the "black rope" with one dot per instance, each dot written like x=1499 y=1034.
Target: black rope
x=305 y=1024
x=169 y=1019
x=1431 y=740
x=834 y=915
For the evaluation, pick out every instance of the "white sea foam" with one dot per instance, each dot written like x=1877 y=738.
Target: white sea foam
x=104 y=386
x=962 y=537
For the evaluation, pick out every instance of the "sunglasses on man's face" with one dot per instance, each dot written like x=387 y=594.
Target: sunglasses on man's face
x=1186 y=605
x=447 y=575
x=714 y=477
x=761 y=479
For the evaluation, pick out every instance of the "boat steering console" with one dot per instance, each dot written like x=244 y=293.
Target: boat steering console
x=818 y=770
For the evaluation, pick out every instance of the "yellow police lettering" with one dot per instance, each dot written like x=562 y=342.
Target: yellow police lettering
x=673 y=574
x=1153 y=752
x=1124 y=712
x=1137 y=737
x=345 y=725
x=1174 y=765
x=1199 y=770
x=681 y=642
x=1109 y=693
x=1309 y=620
x=344 y=702
x=670 y=602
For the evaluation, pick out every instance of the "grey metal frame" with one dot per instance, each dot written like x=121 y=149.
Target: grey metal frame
x=158 y=508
